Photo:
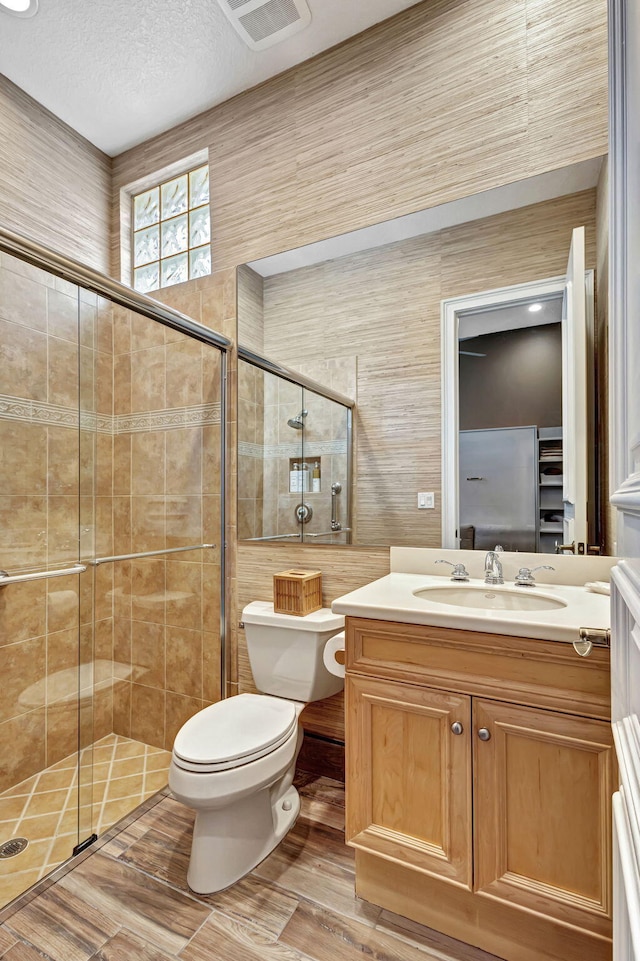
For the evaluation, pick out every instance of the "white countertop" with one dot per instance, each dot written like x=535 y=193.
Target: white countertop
x=391 y=598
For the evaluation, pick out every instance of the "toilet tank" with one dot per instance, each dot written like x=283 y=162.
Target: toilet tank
x=286 y=651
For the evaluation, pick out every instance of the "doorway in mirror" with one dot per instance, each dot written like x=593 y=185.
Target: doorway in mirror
x=517 y=414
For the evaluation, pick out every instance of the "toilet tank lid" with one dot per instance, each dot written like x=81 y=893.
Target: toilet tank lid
x=261 y=612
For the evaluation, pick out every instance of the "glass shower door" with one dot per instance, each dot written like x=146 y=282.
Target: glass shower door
x=157 y=550
x=40 y=629
x=111 y=525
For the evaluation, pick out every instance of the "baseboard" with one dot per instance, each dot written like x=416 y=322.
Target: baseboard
x=322 y=756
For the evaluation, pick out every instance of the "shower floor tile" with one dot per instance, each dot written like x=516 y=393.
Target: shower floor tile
x=45 y=810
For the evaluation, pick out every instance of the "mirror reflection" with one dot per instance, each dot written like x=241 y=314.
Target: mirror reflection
x=510 y=427
x=294 y=459
x=364 y=313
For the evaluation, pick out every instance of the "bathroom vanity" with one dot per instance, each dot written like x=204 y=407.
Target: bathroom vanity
x=480 y=763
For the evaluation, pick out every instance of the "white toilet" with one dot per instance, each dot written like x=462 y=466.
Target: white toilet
x=234 y=762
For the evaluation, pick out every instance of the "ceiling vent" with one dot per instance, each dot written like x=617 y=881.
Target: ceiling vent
x=261 y=23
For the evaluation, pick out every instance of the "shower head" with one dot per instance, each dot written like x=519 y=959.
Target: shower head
x=298 y=422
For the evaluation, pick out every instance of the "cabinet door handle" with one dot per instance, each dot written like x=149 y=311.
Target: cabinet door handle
x=457 y=727
x=484 y=734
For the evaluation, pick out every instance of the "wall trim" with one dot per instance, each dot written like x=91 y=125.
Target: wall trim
x=627 y=496
x=618 y=227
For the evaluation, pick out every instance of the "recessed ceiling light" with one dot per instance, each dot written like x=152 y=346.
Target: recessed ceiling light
x=19 y=8
x=534 y=308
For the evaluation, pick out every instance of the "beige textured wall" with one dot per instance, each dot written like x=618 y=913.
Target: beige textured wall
x=448 y=98
x=343 y=570
x=250 y=309
x=54 y=185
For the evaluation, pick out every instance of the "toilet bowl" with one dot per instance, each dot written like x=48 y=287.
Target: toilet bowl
x=234 y=762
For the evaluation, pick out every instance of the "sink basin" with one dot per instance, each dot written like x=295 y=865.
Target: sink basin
x=489 y=599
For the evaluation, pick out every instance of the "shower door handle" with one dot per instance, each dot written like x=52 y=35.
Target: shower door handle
x=39 y=575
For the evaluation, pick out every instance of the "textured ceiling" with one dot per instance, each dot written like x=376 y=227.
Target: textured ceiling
x=120 y=71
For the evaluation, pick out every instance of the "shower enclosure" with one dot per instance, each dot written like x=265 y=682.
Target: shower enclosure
x=294 y=456
x=111 y=521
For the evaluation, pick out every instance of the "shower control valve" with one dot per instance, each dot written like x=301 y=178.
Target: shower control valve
x=304 y=513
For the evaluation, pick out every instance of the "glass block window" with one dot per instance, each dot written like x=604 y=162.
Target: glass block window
x=171 y=232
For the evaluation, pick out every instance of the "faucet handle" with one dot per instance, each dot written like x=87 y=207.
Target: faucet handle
x=525 y=578
x=459 y=572
x=498 y=549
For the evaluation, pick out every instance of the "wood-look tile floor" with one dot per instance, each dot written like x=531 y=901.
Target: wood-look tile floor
x=116 y=775
x=129 y=901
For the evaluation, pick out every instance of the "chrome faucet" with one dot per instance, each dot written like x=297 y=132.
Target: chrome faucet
x=493 y=567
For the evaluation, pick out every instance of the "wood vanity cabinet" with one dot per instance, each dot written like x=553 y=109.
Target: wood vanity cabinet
x=479 y=783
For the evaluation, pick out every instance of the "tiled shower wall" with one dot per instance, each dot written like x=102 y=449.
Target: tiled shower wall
x=212 y=302
x=252 y=483
x=166 y=493
x=268 y=447
x=250 y=406
x=144 y=455
x=324 y=440
x=46 y=335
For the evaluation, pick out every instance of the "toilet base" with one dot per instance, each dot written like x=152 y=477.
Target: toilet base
x=229 y=843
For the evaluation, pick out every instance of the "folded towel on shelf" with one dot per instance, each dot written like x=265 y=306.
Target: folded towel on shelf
x=598 y=587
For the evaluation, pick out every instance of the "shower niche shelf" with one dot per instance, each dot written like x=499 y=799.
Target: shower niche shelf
x=301 y=475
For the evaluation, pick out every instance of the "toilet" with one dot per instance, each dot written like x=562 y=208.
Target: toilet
x=234 y=762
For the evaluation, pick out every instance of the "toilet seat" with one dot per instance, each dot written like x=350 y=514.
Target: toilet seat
x=234 y=732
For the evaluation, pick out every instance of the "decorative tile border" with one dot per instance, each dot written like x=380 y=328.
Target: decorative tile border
x=36 y=411
x=265 y=451
x=39 y=412
x=168 y=419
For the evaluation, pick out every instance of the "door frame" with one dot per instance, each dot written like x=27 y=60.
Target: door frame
x=624 y=293
x=449 y=326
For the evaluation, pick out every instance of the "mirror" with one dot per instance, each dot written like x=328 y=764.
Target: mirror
x=371 y=303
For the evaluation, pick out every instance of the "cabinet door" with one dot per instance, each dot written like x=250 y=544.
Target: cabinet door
x=542 y=812
x=409 y=776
